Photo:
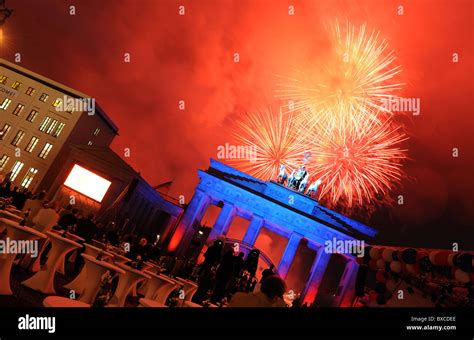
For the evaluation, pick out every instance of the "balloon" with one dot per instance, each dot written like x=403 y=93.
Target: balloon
x=380 y=263
x=375 y=253
x=373 y=265
x=451 y=258
x=387 y=255
x=413 y=268
x=396 y=266
x=439 y=257
x=443 y=257
x=462 y=276
x=409 y=256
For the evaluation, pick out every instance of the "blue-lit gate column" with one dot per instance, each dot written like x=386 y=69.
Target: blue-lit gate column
x=288 y=255
x=253 y=230
x=348 y=284
x=223 y=222
x=185 y=230
x=317 y=272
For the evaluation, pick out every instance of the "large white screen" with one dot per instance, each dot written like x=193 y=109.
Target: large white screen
x=87 y=183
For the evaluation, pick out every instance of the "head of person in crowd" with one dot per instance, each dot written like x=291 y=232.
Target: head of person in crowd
x=273 y=287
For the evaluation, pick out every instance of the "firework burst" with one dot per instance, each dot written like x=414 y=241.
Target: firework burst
x=338 y=115
x=359 y=77
x=357 y=167
x=275 y=140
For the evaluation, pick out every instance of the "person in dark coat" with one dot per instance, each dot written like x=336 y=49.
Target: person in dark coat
x=68 y=220
x=223 y=276
x=86 y=228
x=212 y=256
x=251 y=262
x=268 y=272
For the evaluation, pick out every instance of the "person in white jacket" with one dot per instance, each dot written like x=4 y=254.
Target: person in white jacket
x=34 y=205
x=46 y=218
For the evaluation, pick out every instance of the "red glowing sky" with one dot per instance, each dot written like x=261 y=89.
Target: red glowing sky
x=191 y=58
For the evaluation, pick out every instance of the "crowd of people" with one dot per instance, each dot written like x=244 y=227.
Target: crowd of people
x=45 y=215
x=226 y=276
x=223 y=276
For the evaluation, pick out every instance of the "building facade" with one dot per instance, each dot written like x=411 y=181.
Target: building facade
x=36 y=125
x=46 y=128
x=301 y=220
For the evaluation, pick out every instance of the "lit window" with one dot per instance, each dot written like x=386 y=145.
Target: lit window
x=96 y=132
x=3 y=79
x=52 y=126
x=3 y=161
x=16 y=170
x=6 y=102
x=32 y=143
x=16 y=85
x=18 y=137
x=32 y=115
x=30 y=91
x=45 y=123
x=3 y=133
x=44 y=97
x=29 y=177
x=57 y=102
x=18 y=109
x=46 y=149
x=59 y=129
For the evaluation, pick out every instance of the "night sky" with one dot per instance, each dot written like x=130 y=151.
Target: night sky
x=190 y=58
